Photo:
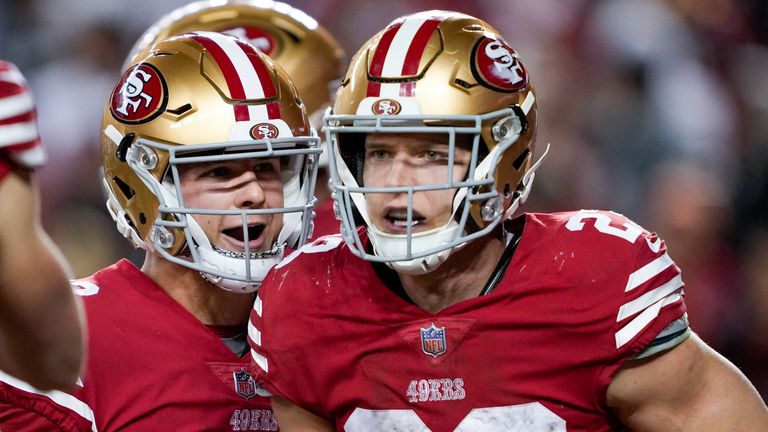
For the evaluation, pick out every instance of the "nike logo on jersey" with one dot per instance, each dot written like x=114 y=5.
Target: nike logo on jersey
x=655 y=246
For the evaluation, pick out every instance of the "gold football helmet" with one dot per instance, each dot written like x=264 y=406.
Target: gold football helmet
x=293 y=39
x=435 y=72
x=195 y=98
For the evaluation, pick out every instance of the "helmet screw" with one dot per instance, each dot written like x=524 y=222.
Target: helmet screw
x=491 y=209
x=163 y=237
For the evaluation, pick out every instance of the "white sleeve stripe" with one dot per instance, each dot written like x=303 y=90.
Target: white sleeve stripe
x=16 y=105
x=634 y=327
x=18 y=133
x=649 y=298
x=254 y=334
x=64 y=399
x=13 y=75
x=33 y=157
x=260 y=360
x=648 y=271
x=257 y=305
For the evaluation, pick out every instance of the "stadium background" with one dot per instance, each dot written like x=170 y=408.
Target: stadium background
x=657 y=109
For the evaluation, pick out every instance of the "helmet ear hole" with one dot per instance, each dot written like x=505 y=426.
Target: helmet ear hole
x=518 y=163
x=125 y=189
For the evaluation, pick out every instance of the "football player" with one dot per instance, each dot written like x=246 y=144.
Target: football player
x=446 y=311
x=209 y=163
x=307 y=51
x=41 y=335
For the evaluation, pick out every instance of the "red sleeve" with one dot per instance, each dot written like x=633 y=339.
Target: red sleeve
x=289 y=301
x=268 y=364
x=639 y=288
x=652 y=297
x=27 y=411
x=19 y=136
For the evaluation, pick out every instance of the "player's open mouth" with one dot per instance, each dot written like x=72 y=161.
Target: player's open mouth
x=236 y=236
x=254 y=231
x=398 y=219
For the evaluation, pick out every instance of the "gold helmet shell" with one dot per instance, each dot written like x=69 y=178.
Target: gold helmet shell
x=307 y=52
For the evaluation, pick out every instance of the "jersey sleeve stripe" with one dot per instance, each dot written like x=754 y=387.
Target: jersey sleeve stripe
x=257 y=305
x=254 y=334
x=634 y=327
x=12 y=106
x=10 y=73
x=260 y=361
x=645 y=273
x=632 y=307
x=32 y=157
x=17 y=133
x=64 y=399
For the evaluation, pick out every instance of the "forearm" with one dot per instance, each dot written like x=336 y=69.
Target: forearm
x=41 y=318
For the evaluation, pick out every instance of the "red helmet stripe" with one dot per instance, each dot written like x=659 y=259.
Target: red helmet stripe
x=399 y=54
x=246 y=77
x=415 y=51
x=273 y=108
x=230 y=74
x=379 y=56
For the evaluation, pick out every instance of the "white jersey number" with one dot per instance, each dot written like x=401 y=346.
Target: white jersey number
x=322 y=244
x=630 y=232
x=530 y=417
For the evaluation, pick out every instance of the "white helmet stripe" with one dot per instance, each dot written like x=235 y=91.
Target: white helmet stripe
x=405 y=50
x=241 y=75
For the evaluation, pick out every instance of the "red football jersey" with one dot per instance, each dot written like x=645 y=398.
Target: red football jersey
x=19 y=139
x=583 y=293
x=151 y=366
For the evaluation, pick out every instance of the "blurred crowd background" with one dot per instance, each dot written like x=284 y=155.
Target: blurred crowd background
x=657 y=109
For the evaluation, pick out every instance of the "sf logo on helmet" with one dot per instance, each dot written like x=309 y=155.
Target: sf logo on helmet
x=496 y=65
x=264 y=131
x=386 y=107
x=140 y=95
x=133 y=92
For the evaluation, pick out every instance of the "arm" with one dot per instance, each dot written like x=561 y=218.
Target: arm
x=688 y=388
x=292 y=418
x=41 y=337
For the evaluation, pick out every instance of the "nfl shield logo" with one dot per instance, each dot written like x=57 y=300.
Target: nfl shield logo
x=245 y=386
x=433 y=340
